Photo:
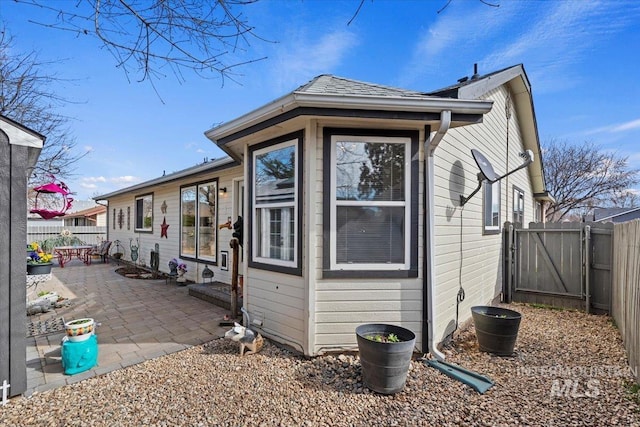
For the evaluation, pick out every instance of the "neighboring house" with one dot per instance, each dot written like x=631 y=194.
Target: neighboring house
x=352 y=206
x=95 y=217
x=87 y=209
x=614 y=214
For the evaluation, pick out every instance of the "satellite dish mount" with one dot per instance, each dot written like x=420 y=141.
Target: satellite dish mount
x=488 y=174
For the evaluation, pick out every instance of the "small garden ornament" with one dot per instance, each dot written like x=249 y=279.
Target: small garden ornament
x=247 y=338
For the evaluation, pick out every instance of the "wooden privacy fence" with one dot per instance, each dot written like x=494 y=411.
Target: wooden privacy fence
x=89 y=235
x=560 y=264
x=625 y=298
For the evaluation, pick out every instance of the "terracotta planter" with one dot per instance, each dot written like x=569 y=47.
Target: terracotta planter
x=41 y=268
x=80 y=329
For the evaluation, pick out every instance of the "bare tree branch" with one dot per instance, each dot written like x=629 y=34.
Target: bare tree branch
x=581 y=177
x=147 y=37
x=26 y=97
x=485 y=2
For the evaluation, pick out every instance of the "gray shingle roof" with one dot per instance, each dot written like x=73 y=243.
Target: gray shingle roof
x=327 y=84
x=600 y=213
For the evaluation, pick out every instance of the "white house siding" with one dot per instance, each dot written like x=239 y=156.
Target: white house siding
x=476 y=263
x=340 y=305
x=169 y=247
x=277 y=300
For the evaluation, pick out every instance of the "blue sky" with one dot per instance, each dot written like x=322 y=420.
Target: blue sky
x=581 y=58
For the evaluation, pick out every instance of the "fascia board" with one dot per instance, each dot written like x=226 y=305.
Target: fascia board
x=294 y=100
x=205 y=167
x=20 y=135
x=478 y=88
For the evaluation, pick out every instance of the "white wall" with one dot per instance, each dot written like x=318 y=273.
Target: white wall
x=170 y=247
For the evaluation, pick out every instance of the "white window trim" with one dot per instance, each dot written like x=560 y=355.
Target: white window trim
x=494 y=186
x=196 y=255
x=279 y=205
x=517 y=202
x=333 y=264
x=143 y=228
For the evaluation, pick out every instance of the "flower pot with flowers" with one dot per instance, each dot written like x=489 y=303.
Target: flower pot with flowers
x=38 y=261
x=178 y=269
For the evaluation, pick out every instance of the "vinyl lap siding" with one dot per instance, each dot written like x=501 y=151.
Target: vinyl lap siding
x=340 y=305
x=278 y=300
x=464 y=255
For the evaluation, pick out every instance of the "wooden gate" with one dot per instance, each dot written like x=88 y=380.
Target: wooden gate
x=560 y=264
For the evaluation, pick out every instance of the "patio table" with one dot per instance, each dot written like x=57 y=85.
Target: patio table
x=65 y=253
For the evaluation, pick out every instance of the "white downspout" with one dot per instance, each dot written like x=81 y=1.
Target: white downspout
x=430 y=148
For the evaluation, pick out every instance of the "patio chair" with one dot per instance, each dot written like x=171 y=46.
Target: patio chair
x=102 y=250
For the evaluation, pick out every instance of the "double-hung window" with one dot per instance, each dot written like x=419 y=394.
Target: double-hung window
x=275 y=230
x=370 y=203
x=199 y=210
x=144 y=213
x=491 y=207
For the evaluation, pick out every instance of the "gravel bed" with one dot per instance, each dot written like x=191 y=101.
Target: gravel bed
x=211 y=385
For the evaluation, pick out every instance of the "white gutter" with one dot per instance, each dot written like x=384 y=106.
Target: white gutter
x=430 y=148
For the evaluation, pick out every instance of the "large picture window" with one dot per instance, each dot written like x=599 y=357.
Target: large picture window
x=372 y=202
x=275 y=236
x=491 y=207
x=199 y=210
x=144 y=213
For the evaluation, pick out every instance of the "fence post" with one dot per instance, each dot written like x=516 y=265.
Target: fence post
x=509 y=252
x=587 y=266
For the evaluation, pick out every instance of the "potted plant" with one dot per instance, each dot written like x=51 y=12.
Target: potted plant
x=38 y=261
x=496 y=329
x=385 y=356
x=80 y=329
x=177 y=269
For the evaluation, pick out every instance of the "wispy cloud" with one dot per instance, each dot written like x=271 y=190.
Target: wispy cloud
x=615 y=128
x=550 y=38
x=455 y=37
x=300 y=59
x=124 y=180
x=94 y=179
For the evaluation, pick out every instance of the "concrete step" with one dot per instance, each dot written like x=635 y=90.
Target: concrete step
x=217 y=293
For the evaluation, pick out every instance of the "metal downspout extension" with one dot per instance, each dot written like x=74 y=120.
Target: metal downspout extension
x=429 y=235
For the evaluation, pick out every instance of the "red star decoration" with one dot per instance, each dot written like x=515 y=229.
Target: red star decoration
x=164 y=226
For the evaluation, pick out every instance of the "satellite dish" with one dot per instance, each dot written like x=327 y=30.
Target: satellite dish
x=488 y=174
x=485 y=166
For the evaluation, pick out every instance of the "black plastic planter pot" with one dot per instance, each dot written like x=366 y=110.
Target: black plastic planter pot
x=496 y=329
x=385 y=364
x=43 y=268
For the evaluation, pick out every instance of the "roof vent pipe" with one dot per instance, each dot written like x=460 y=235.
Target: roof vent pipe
x=475 y=72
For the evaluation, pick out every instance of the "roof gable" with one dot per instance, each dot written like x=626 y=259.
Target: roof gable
x=476 y=86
